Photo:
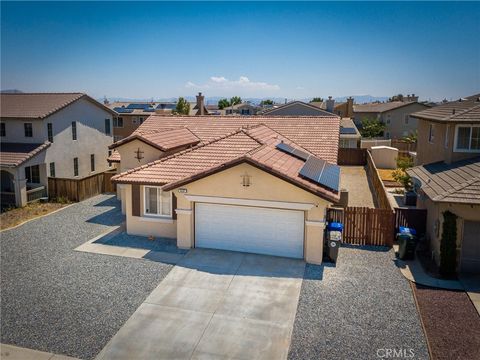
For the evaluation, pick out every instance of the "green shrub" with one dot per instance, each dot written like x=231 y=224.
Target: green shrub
x=448 y=244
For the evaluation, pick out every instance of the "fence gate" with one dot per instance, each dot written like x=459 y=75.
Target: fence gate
x=365 y=226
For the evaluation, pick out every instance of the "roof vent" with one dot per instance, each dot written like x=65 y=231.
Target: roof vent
x=453 y=111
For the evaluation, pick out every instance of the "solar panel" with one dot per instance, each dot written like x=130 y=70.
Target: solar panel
x=321 y=172
x=122 y=110
x=138 y=106
x=149 y=110
x=349 y=131
x=293 y=151
x=165 y=106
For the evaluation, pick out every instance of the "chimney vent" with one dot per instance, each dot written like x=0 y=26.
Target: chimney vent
x=330 y=104
x=200 y=104
x=453 y=111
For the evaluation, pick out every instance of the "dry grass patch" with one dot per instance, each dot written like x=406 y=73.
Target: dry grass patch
x=386 y=174
x=17 y=216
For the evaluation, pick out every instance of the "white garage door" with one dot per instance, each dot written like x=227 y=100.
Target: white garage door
x=249 y=229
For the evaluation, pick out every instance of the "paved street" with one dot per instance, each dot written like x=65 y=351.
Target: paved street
x=215 y=304
x=63 y=301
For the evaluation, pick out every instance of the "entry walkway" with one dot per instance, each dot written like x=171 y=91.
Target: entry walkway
x=215 y=304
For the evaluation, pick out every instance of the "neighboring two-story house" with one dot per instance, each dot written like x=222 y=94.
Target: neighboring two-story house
x=447 y=177
x=50 y=135
x=130 y=115
x=395 y=115
x=243 y=109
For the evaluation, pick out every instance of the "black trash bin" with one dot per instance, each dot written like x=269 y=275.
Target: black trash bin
x=333 y=240
x=407 y=242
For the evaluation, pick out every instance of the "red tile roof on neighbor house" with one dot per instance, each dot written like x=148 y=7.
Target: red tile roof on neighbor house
x=317 y=134
x=162 y=140
x=381 y=107
x=114 y=157
x=39 y=105
x=256 y=146
x=15 y=154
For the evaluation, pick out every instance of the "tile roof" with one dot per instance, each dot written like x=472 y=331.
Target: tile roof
x=38 y=105
x=15 y=154
x=380 y=107
x=114 y=157
x=462 y=110
x=317 y=134
x=165 y=140
x=458 y=182
x=255 y=146
x=156 y=107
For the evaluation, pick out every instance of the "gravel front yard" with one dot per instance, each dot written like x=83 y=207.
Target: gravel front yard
x=357 y=309
x=58 y=300
x=451 y=322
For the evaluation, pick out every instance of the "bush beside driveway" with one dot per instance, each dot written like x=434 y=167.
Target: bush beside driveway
x=356 y=308
x=63 y=301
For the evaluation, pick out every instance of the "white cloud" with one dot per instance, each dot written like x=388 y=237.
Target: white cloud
x=243 y=85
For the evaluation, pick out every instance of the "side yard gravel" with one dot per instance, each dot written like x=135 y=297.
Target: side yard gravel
x=357 y=309
x=59 y=300
x=451 y=322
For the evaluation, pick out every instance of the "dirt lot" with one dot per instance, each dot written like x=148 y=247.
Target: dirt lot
x=452 y=324
x=354 y=179
x=14 y=217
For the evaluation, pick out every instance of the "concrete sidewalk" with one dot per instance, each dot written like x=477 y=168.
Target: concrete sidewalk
x=10 y=352
x=215 y=304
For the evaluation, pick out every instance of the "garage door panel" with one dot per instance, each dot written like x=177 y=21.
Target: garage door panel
x=249 y=229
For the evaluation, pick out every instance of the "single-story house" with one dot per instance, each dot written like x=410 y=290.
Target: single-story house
x=250 y=184
x=454 y=187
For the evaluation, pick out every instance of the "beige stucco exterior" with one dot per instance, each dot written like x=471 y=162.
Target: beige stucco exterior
x=435 y=222
x=228 y=184
x=442 y=147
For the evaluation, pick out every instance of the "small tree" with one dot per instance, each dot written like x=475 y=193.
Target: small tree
x=223 y=103
x=266 y=102
x=448 y=244
x=317 y=99
x=183 y=107
x=235 y=100
x=372 y=127
x=400 y=174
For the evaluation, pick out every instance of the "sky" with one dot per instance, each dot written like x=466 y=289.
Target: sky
x=251 y=49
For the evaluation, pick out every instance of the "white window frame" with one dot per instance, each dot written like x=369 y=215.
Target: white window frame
x=115 y=122
x=159 y=203
x=469 y=150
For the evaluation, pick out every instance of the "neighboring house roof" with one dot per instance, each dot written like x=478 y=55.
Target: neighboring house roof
x=114 y=157
x=320 y=111
x=139 y=108
x=163 y=140
x=462 y=110
x=15 y=154
x=255 y=146
x=348 y=129
x=319 y=135
x=458 y=182
x=382 y=107
x=39 y=105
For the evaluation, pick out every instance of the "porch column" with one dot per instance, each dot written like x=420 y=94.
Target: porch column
x=20 y=191
x=314 y=230
x=184 y=228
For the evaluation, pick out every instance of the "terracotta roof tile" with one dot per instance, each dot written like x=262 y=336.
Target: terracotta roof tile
x=381 y=107
x=467 y=109
x=15 y=154
x=114 y=157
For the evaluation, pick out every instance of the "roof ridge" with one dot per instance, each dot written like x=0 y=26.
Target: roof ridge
x=453 y=116
x=43 y=93
x=177 y=154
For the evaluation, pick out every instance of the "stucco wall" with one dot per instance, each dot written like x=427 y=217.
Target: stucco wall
x=128 y=125
x=228 y=184
x=128 y=157
x=15 y=131
x=439 y=149
x=435 y=222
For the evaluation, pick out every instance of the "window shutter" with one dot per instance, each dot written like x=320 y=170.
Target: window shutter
x=174 y=206
x=135 y=200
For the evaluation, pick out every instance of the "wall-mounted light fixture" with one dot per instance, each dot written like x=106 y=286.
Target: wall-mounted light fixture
x=246 y=180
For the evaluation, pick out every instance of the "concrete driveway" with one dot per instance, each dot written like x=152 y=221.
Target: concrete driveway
x=215 y=304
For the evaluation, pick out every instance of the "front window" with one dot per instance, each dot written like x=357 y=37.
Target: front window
x=50 y=132
x=92 y=162
x=406 y=119
x=118 y=122
x=74 y=130
x=2 y=129
x=52 y=169
x=158 y=202
x=107 y=127
x=75 y=166
x=468 y=138
x=32 y=174
x=431 y=133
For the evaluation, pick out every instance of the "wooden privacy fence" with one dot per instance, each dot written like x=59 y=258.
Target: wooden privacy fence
x=353 y=156
x=109 y=186
x=365 y=226
x=412 y=218
x=379 y=188
x=76 y=190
